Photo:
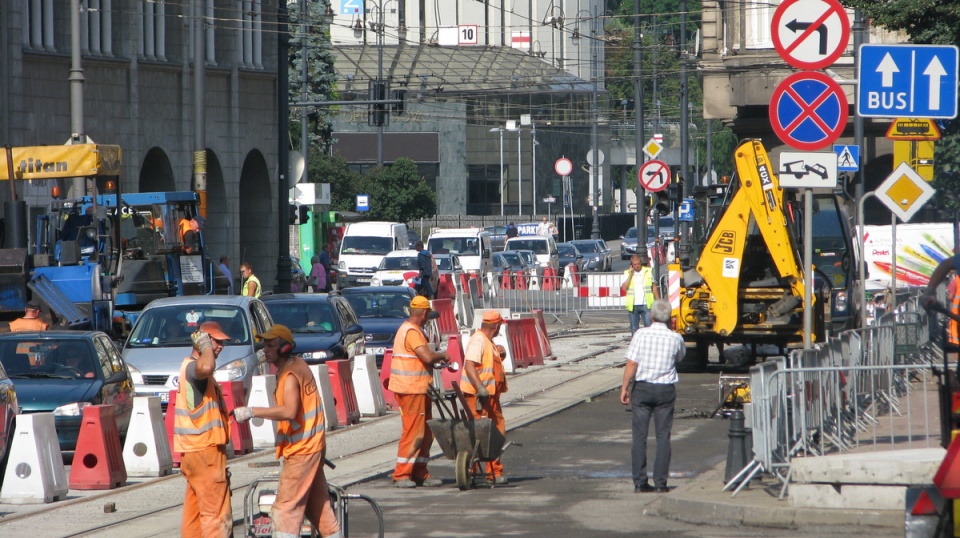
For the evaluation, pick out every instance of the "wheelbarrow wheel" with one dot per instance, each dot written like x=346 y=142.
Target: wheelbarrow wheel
x=464 y=470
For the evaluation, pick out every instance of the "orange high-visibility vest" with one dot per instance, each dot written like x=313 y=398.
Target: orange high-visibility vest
x=201 y=427
x=184 y=226
x=305 y=434
x=408 y=375
x=24 y=325
x=490 y=371
x=953 y=290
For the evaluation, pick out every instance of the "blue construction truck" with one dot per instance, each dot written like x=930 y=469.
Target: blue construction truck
x=97 y=260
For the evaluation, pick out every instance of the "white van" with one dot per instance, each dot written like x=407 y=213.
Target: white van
x=472 y=245
x=543 y=246
x=364 y=246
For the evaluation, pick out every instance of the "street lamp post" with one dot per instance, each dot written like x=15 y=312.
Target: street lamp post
x=512 y=126
x=595 y=167
x=500 y=130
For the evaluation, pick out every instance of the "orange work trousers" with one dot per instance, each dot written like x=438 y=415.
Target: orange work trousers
x=303 y=491
x=206 y=506
x=414 y=449
x=490 y=409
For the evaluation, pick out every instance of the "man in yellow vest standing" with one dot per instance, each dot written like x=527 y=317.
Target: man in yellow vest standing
x=638 y=291
x=410 y=376
x=485 y=379
x=201 y=430
x=302 y=489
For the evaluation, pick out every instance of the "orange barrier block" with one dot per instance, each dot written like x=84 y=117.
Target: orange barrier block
x=549 y=282
x=519 y=351
x=521 y=280
x=98 y=459
x=388 y=396
x=544 y=338
x=455 y=351
x=168 y=424
x=446 y=288
x=344 y=395
x=240 y=435
x=506 y=281
x=574 y=275
x=448 y=320
x=531 y=341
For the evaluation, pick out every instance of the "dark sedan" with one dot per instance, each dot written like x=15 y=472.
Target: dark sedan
x=596 y=254
x=324 y=326
x=569 y=255
x=61 y=372
x=381 y=310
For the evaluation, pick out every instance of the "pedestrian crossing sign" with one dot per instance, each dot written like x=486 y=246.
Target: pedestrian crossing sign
x=848 y=157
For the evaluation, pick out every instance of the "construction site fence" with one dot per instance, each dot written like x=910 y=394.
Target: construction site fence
x=567 y=295
x=569 y=227
x=869 y=389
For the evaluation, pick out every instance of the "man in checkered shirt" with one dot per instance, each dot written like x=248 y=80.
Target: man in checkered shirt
x=651 y=369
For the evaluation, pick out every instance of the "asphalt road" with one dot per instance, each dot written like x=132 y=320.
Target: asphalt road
x=570 y=478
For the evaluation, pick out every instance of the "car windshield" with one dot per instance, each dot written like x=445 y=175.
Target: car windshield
x=454 y=245
x=512 y=259
x=171 y=326
x=631 y=233
x=359 y=244
x=527 y=256
x=398 y=263
x=567 y=250
x=378 y=304
x=444 y=263
x=304 y=316
x=539 y=246
x=47 y=358
x=496 y=230
x=587 y=247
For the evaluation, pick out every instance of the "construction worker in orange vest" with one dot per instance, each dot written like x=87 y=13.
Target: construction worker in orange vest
x=485 y=379
x=929 y=297
x=410 y=376
x=201 y=430
x=30 y=321
x=302 y=489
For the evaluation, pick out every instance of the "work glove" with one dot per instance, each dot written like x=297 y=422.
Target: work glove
x=201 y=341
x=243 y=414
x=482 y=392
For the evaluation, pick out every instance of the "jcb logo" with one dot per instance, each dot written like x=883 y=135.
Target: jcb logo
x=725 y=243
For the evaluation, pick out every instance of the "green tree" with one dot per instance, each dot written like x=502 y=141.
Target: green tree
x=398 y=193
x=345 y=184
x=321 y=80
x=925 y=22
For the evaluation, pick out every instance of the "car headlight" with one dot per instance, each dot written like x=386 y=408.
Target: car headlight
x=74 y=409
x=231 y=371
x=840 y=301
x=135 y=375
x=374 y=281
x=342 y=266
x=316 y=355
x=596 y=259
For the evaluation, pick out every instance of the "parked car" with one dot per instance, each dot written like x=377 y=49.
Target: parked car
x=596 y=254
x=412 y=238
x=569 y=254
x=498 y=236
x=381 y=310
x=508 y=260
x=9 y=408
x=448 y=264
x=160 y=340
x=629 y=242
x=61 y=372
x=324 y=326
x=399 y=268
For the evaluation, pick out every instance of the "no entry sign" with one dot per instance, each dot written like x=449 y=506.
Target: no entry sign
x=808 y=110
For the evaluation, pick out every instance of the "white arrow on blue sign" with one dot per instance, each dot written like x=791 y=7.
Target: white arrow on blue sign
x=351 y=7
x=919 y=81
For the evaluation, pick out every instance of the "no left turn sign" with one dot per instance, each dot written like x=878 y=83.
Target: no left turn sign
x=810 y=34
x=654 y=175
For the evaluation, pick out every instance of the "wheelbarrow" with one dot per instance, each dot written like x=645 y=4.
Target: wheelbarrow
x=470 y=441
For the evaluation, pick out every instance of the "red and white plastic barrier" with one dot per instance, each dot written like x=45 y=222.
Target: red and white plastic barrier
x=262 y=394
x=98 y=458
x=146 y=450
x=344 y=396
x=322 y=376
x=366 y=383
x=35 y=473
x=601 y=290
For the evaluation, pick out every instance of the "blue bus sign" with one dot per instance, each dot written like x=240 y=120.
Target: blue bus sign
x=916 y=81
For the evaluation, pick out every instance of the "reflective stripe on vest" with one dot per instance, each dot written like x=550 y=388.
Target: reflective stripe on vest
x=953 y=334
x=201 y=427
x=305 y=434
x=486 y=371
x=408 y=375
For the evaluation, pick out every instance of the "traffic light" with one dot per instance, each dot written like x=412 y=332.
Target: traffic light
x=377 y=112
x=293 y=214
x=304 y=214
x=400 y=95
x=663 y=205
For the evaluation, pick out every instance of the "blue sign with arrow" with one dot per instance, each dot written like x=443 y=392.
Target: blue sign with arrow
x=917 y=81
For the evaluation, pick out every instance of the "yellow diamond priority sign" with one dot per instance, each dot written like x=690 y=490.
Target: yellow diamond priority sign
x=653 y=148
x=904 y=192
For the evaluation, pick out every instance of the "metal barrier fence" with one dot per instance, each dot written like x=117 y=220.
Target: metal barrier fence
x=556 y=295
x=864 y=390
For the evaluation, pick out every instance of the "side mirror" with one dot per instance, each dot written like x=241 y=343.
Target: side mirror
x=621 y=237
x=354 y=329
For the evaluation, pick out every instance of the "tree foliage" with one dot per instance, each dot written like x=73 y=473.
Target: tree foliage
x=310 y=43
x=397 y=192
x=925 y=22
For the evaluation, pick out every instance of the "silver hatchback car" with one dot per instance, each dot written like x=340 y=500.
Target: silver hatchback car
x=160 y=340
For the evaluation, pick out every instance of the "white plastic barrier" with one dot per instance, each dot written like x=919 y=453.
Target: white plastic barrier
x=146 y=450
x=35 y=473
x=262 y=394
x=366 y=383
x=322 y=374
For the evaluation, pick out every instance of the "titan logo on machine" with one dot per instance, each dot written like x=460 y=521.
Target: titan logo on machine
x=725 y=243
x=36 y=166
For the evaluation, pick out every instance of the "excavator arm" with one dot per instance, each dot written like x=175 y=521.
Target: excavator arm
x=758 y=202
